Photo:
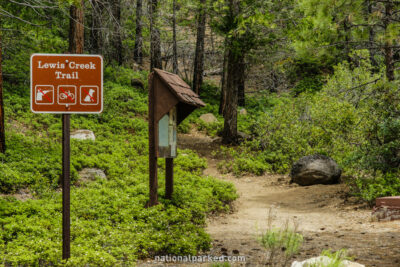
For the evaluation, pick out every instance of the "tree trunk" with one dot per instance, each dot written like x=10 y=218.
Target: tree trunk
x=174 y=46
x=138 y=53
x=199 y=55
x=155 y=42
x=96 y=39
x=241 y=81
x=76 y=29
x=229 y=134
x=224 y=79
x=2 y=130
x=388 y=50
x=389 y=62
x=117 y=40
x=371 y=35
x=347 y=38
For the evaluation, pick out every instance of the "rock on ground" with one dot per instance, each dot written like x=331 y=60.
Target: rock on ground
x=83 y=135
x=137 y=83
x=90 y=174
x=387 y=209
x=324 y=261
x=208 y=118
x=315 y=169
x=243 y=111
x=386 y=213
x=243 y=136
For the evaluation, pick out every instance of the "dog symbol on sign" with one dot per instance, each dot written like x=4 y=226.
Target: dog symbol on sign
x=89 y=95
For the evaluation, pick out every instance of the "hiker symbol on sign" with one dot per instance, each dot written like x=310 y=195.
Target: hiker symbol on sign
x=44 y=94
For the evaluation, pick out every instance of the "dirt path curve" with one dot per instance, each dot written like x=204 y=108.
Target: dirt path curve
x=324 y=215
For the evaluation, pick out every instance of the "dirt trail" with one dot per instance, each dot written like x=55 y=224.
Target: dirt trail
x=326 y=217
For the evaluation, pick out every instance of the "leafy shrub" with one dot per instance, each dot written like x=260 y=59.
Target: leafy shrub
x=233 y=161
x=123 y=76
x=210 y=93
x=381 y=185
x=377 y=101
x=309 y=84
x=309 y=124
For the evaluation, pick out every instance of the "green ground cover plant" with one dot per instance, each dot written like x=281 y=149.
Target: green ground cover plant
x=337 y=259
x=282 y=243
x=110 y=225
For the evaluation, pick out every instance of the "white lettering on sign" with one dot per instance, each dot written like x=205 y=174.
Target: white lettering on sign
x=57 y=65
x=68 y=76
x=90 y=66
x=72 y=65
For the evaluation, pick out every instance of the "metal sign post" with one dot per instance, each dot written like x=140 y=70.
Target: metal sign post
x=66 y=181
x=66 y=84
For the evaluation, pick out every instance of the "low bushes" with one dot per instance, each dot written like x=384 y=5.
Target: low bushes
x=109 y=222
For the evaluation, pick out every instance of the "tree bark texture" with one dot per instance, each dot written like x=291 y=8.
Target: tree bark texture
x=138 y=50
x=96 y=38
x=241 y=81
x=224 y=78
x=76 y=29
x=2 y=128
x=117 y=40
x=229 y=134
x=371 y=34
x=155 y=42
x=199 y=55
x=388 y=50
x=174 y=45
x=347 y=38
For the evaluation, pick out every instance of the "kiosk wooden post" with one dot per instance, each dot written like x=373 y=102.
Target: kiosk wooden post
x=170 y=101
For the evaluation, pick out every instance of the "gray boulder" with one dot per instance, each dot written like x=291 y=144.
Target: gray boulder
x=83 y=135
x=90 y=174
x=208 y=118
x=324 y=261
x=137 y=83
x=315 y=169
x=243 y=136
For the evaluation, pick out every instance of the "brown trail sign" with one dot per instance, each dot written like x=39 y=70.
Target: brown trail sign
x=63 y=83
x=66 y=83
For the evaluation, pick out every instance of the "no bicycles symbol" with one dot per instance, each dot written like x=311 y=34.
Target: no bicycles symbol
x=62 y=83
x=66 y=95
